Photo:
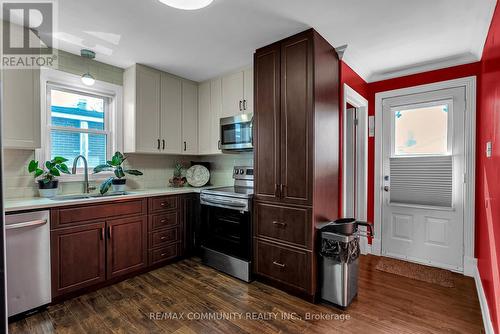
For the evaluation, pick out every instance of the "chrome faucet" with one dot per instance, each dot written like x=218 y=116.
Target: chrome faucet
x=86 y=187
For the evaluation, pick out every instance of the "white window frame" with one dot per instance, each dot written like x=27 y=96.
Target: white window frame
x=50 y=78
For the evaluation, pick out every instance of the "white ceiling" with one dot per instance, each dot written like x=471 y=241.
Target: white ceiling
x=386 y=38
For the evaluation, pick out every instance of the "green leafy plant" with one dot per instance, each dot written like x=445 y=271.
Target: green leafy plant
x=50 y=170
x=115 y=165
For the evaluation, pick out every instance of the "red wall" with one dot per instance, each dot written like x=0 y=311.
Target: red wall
x=488 y=172
x=487 y=222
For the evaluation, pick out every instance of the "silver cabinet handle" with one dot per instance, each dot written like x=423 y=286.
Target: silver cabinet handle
x=185 y=146
x=163 y=142
x=26 y=224
x=281 y=265
x=244 y=104
x=279 y=224
x=240 y=105
x=158 y=147
x=218 y=144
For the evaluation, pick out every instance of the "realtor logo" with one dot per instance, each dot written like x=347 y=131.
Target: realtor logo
x=28 y=34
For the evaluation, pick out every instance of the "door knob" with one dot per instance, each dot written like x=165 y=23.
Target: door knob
x=386 y=188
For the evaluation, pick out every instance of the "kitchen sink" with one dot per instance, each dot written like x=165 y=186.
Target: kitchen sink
x=69 y=197
x=87 y=196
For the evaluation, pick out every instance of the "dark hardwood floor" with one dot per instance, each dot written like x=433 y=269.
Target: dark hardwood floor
x=385 y=304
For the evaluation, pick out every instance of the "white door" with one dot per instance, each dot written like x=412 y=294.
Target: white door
x=232 y=94
x=423 y=171
x=171 y=114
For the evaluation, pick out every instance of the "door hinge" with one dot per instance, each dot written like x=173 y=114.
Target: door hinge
x=465 y=177
x=356 y=122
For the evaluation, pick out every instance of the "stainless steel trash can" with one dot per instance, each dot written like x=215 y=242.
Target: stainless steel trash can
x=338 y=266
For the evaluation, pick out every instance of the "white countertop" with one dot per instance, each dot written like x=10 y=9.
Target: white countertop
x=35 y=203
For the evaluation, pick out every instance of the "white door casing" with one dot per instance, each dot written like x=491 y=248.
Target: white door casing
x=435 y=238
x=353 y=98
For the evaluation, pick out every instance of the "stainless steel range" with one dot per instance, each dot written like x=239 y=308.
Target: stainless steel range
x=226 y=226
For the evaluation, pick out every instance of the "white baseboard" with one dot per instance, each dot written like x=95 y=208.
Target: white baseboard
x=470 y=266
x=364 y=246
x=485 y=311
x=376 y=247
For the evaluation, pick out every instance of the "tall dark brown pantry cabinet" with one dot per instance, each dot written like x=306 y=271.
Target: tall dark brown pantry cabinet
x=296 y=126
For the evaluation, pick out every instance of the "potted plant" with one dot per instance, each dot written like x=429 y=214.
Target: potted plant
x=178 y=180
x=118 y=181
x=47 y=182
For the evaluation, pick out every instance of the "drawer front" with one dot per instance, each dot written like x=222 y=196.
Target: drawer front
x=164 y=203
x=286 y=224
x=70 y=216
x=163 y=220
x=164 y=237
x=288 y=266
x=163 y=254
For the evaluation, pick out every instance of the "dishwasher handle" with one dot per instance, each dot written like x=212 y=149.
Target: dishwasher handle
x=26 y=224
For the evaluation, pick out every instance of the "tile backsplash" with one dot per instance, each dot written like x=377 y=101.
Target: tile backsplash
x=157 y=169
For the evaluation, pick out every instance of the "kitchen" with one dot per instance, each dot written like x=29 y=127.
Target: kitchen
x=195 y=180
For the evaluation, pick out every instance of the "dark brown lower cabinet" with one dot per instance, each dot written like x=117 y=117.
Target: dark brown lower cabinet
x=126 y=245
x=121 y=238
x=78 y=257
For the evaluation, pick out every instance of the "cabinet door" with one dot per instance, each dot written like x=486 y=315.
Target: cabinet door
x=171 y=114
x=267 y=123
x=21 y=109
x=216 y=112
x=78 y=258
x=148 y=83
x=296 y=120
x=204 y=119
x=126 y=245
x=189 y=118
x=232 y=94
x=248 y=91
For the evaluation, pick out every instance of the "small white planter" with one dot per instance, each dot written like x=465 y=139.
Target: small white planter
x=48 y=190
x=118 y=185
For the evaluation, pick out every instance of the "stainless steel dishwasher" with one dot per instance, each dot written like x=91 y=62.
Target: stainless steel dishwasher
x=28 y=261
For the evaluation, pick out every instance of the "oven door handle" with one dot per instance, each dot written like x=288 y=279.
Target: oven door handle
x=228 y=203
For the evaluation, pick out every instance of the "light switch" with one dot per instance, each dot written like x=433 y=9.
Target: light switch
x=371 y=126
x=489 y=149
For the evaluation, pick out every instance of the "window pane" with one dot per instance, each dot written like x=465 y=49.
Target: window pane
x=421 y=131
x=72 y=144
x=77 y=110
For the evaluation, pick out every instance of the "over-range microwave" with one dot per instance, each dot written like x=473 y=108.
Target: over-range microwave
x=236 y=133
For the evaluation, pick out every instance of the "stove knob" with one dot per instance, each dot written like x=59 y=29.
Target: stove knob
x=242 y=171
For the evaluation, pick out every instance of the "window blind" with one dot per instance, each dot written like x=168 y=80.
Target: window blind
x=422 y=181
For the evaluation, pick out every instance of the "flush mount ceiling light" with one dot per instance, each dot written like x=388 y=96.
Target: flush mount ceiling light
x=187 y=4
x=87 y=78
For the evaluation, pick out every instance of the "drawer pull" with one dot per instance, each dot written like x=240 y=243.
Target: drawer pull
x=162 y=221
x=163 y=254
x=281 y=265
x=279 y=224
x=162 y=204
x=163 y=238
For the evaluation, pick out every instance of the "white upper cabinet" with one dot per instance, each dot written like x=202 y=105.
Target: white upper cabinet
x=204 y=119
x=248 y=90
x=154 y=107
x=237 y=93
x=21 y=109
x=189 y=118
x=171 y=118
x=216 y=114
x=232 y=94
x=142 y=107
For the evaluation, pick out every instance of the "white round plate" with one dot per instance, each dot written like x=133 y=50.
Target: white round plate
x=197 y=176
